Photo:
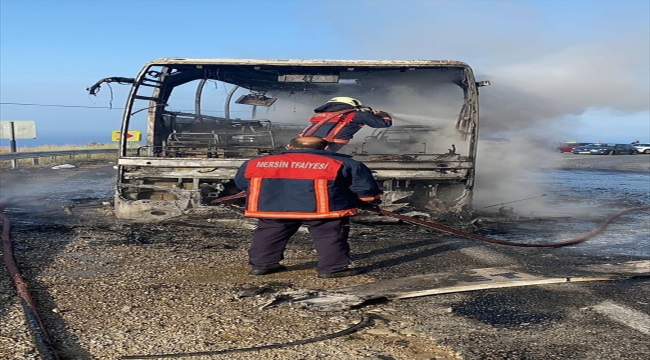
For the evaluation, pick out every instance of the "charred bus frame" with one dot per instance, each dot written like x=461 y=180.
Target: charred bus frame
x=158 y=181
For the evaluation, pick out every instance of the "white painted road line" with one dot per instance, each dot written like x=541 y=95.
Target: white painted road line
x=635 y=319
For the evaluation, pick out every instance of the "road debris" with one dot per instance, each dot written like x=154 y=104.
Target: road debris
x=445 y=283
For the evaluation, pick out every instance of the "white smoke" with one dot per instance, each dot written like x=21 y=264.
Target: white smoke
x=542 y=78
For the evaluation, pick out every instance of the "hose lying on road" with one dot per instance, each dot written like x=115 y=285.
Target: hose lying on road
x=34 y=323
x=365 y=321
x=433 y=225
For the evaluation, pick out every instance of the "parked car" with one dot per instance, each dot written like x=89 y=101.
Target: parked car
x=567 y=147
x=606 y=149
x=642 y=147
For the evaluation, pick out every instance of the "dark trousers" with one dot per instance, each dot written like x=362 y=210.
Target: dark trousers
x=330 y=237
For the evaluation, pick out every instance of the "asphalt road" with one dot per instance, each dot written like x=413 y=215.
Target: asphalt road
x=639 y=162
x=598 y=320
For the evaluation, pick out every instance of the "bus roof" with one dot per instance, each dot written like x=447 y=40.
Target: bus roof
x=310 y=62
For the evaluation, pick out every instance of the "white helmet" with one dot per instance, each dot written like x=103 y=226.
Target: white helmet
x=346 y=100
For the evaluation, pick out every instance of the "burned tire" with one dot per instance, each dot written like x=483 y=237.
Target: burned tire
x=612 y=152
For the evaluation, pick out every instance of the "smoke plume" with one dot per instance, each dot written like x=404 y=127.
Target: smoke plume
x=542 y=78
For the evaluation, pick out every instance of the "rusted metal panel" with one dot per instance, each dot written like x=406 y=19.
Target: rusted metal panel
x=186 y=163
x=212 y=175
x=418 y=165
x=418 y=174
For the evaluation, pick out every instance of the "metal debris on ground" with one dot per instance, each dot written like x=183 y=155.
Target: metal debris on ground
x=444 y=283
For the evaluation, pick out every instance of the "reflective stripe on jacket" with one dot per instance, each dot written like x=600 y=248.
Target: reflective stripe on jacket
x=305 y=184
x=340 y=126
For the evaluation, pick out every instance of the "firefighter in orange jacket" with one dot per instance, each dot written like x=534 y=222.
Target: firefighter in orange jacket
x=305 y=184
x=340 y=118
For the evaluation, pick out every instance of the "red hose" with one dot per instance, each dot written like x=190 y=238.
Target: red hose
x=573 y=241
x=432 y=225
x=239 y=195
x=34 y=323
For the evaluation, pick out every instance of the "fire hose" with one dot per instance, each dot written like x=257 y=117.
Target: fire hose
x=365 y=322
x=34 y=323
x=436 y=226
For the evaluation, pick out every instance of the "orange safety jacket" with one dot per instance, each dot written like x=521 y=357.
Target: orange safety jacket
x=305 y=184
x=340 y=126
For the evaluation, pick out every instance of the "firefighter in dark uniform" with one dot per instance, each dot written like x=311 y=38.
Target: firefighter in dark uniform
x=305 y=184
x=340 y=118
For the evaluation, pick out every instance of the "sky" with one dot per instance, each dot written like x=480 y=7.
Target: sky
x=562 y=69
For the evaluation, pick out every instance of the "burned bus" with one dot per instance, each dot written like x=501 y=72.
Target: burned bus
x=240 y=109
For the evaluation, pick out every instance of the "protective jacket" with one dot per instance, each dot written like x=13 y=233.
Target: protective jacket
x=305 y=184
x=338 y=127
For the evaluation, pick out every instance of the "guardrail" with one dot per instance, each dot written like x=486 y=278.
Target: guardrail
x=35 y=155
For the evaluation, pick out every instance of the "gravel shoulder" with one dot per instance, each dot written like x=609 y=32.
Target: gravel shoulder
x=110 y=290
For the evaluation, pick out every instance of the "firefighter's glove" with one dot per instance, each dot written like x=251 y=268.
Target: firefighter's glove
x=370 y=205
